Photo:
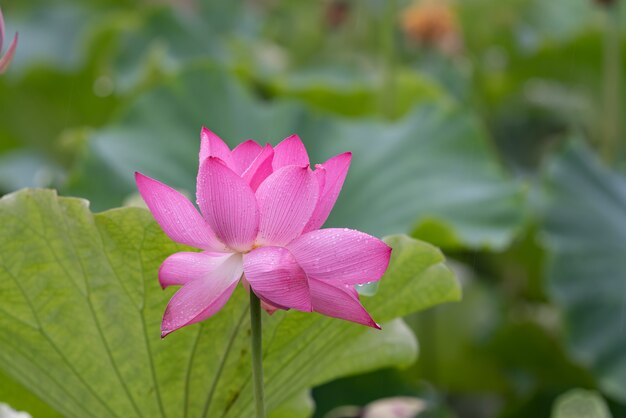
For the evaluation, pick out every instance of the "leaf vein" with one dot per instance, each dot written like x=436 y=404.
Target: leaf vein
x=220 y=369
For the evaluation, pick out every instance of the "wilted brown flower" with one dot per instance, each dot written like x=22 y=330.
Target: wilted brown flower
x=432 y=23
x=337 y=12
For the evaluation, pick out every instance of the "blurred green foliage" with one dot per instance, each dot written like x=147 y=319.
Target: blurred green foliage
x=460 y=123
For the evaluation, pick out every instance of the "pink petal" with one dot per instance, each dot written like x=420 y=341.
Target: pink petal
x=212 y=145
x=176 y=215
x=8 y=57
x=181 y=268
x=341 y=255
x=228 y=204
x=244 y=154
x=199 y=299
x=260 y=168
x=276 y=278
x=335 y=171
x=320 y=175
x=290 y=151
x=286 y=200
x=339 y=302
x=268 y=307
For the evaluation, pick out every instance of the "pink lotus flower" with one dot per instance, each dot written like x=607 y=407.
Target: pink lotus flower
x=262 y=208
x=6 y=59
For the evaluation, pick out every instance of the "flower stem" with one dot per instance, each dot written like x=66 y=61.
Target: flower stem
x=257 y=354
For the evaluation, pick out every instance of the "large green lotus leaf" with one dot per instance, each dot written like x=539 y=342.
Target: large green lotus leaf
x=81 y=309
x=156 y=41
x=351 y=94
x=433 y=167
x=22 y=399
x=585 y=235
x=301 y=406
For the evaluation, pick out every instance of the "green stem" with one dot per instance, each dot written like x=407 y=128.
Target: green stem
x=612 y=83
x=257 y=353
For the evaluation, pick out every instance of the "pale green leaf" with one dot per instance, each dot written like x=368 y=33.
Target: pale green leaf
x=81 y=309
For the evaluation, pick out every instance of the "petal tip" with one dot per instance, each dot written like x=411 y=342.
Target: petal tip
x=206 y=135
x=160 y=276
x=167 y=327
x=292 y=140
x=387 y=255
x=141 y=179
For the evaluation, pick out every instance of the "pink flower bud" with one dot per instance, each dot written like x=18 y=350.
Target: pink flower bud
x=5 y=59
